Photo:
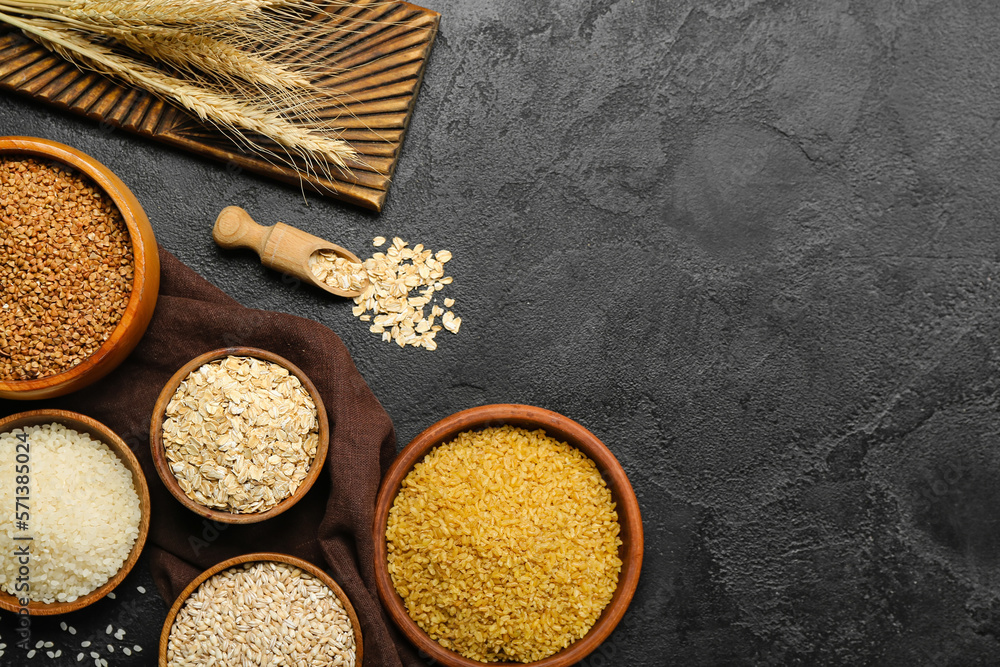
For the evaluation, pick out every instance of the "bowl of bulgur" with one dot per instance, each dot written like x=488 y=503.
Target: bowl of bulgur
x=80 y=270
x=239 y=434
x=507 y=534
x=262 y=608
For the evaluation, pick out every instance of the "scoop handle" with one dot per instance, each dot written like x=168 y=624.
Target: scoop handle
x=234 y=228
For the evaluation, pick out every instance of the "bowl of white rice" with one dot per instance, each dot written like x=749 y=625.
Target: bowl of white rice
x=74 y=511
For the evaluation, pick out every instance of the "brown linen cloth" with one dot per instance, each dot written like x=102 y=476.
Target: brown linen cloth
x=331 y=525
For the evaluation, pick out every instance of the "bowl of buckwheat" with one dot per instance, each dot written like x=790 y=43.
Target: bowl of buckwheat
x=239 y=435
x=80 y=270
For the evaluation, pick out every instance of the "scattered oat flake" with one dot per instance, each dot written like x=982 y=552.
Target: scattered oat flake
x=395 y=288
x=449 y=302
x=378 y=241
x=450 y=322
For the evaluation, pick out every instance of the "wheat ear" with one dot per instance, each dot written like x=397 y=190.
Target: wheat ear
x=219 y=60
x=142 y=13
x=223 y=111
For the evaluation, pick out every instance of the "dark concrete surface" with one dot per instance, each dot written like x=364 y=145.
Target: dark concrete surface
x=751 y=245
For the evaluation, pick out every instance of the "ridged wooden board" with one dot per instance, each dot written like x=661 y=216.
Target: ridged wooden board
x=379 y=51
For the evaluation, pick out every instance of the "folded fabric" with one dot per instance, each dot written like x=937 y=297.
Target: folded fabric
x=331 y=525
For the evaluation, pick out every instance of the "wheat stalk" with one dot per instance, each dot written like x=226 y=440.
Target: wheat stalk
x=220 y=60
x=141 y=13
x=235 y=64
x=227 y=112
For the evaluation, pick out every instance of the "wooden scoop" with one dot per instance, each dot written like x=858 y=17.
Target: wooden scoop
x=280 y=246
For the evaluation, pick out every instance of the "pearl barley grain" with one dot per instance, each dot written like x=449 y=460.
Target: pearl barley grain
x=302 y=622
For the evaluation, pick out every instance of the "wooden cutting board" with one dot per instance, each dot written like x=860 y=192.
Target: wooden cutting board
x=381 y=47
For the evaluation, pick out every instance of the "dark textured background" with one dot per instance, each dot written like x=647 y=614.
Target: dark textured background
x=751 y=245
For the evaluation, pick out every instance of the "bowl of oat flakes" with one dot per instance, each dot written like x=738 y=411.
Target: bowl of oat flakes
x=239 y=435
x=80 y=270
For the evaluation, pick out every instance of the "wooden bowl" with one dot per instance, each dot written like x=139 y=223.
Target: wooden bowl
x=98 y=431
x=252 y=558
x=561 y=428
x=145 y=280
x=160 y=454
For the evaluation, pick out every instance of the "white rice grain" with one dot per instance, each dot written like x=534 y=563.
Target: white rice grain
x=84 y=512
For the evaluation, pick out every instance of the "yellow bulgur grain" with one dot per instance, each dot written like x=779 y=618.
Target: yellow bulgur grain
x=503 y=544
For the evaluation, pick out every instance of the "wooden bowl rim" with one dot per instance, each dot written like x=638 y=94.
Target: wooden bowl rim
x=263 y=556
x=527 y=416
x=159 y=453
x=142 y=265
x=89 y=425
